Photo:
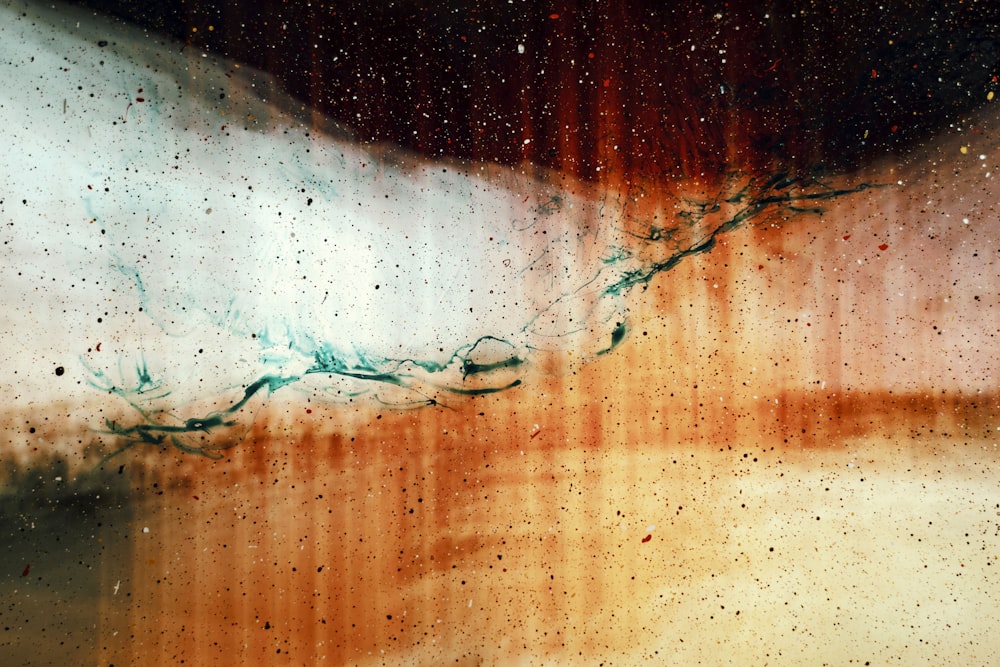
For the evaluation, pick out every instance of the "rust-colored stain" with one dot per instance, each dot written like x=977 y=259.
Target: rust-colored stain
x=454 y=535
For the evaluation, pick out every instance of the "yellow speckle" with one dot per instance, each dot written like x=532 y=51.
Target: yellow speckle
x=211 y=28
x=989 y=95
x=194 y=29
x=866 y=134
x=964 y=149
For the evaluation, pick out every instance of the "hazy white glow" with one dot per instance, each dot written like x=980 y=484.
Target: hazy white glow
x=174 y=181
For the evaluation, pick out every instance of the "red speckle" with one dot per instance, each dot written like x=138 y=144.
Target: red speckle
x=140 y=99
x=808 y=324
x=27 y=569
x=894 y=128
x=309 y=411
x=197 y=498
x=647 y=538
x=760 y=266
x=90 y=187
x=223 y=128
x=847 y=236
x=884 y=246
x=874 y=74
x=98 y=348
x=553 y=16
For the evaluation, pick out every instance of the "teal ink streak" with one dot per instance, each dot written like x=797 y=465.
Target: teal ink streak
x=484 y=390
x=491 y=361
x=472 y=368
x=155 y=433
x=617 y=336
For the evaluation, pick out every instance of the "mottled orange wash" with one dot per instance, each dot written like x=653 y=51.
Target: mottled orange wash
x=731 y=477
x=767 y=441
x=506 y=529
x=734 y=480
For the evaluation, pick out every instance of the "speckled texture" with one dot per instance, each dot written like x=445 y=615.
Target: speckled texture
x=276 y=395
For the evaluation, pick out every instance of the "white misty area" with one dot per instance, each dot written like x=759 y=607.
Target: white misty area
x=144 y=175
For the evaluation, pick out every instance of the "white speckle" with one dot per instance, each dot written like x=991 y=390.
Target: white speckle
x=145 y=529
x=650 y=529
x=117 y=585
x=527 y=141
x=965 y=221
x=520 y=48
x=470 y=603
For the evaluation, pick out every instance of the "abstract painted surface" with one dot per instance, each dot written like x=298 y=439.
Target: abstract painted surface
x=647 y=377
